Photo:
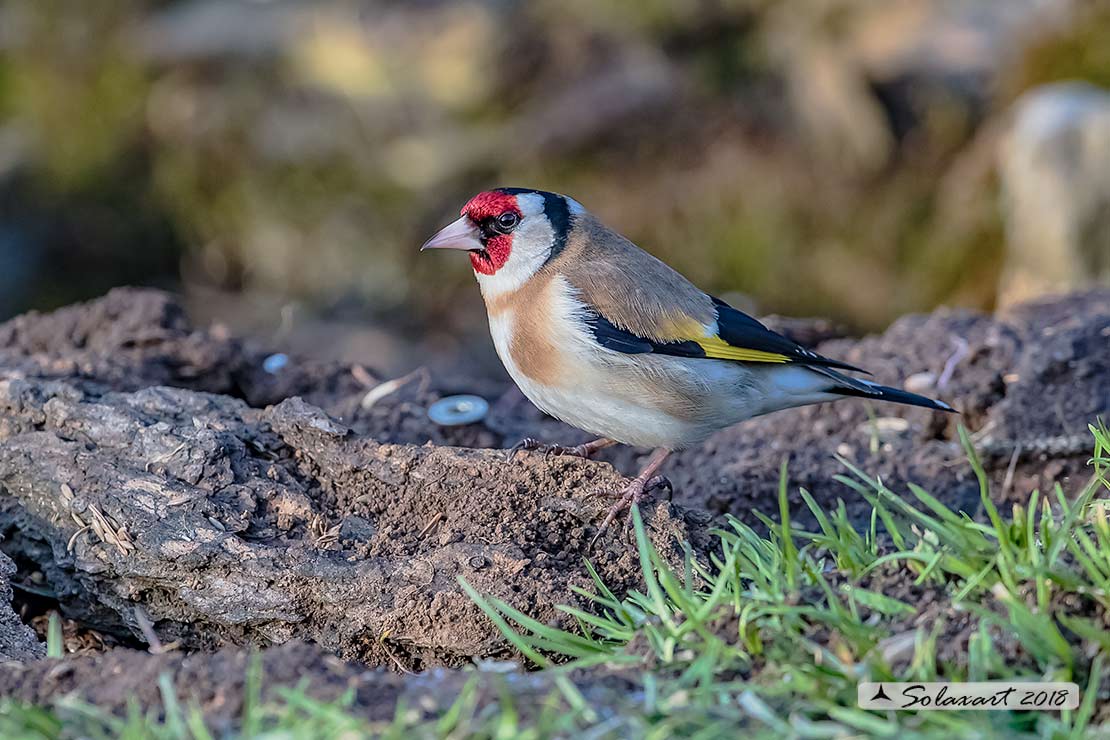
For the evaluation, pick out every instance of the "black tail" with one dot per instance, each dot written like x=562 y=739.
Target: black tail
x=846 y=386
x=886 y=393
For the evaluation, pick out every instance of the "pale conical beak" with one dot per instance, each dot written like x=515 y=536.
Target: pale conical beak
x=461 y=234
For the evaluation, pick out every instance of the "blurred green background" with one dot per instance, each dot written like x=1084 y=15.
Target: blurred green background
x=281 y=162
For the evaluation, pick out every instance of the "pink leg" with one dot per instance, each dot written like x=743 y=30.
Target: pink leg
x=582 y=450
x=634 y=491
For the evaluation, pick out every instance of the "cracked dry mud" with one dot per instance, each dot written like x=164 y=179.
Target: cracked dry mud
x=147 y=463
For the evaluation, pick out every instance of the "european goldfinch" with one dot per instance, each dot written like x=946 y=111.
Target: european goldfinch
x=604 y=336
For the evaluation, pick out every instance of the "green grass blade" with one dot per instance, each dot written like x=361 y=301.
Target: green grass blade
x=508 y=632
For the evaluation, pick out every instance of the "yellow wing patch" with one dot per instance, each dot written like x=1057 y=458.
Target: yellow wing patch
x=718 y=348
x=683 y=328
x=678 y=329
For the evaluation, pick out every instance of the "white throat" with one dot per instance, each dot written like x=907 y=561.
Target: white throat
x=532 y=242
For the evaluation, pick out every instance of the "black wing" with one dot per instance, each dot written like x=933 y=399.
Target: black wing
x=739 y=338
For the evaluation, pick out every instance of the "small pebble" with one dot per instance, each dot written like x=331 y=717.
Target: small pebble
x=885 y=428
x=496 y=666
x=458 y=410
x=920 y=382
x=275 y=362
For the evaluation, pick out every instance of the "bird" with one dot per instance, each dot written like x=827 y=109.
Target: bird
x=606 y=337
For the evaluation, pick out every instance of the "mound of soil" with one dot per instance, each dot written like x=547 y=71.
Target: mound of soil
x=232 y=524
x=235 y=499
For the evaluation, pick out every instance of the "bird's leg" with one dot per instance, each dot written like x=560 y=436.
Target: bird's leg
x=634 y=492
x=582 y=450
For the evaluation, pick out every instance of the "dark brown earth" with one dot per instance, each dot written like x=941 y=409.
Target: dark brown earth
x=147 y=463
x=17 y=640
x=216 y=682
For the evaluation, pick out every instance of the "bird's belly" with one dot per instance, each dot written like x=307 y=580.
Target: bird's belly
x=613 y=417
x=637 y=400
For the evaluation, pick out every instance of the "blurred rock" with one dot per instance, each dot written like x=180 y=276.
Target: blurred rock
x=1055 y=170
x=862 y=76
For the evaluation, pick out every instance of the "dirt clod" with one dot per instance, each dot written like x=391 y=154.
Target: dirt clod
x=17 y=640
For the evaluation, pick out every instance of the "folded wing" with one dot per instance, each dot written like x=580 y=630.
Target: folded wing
x=733 y=336
x=638 y=304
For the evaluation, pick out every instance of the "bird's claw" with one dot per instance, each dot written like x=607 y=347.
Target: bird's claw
x=632 y=495
x=531 y=444
x=528 y=444
x=660 y=481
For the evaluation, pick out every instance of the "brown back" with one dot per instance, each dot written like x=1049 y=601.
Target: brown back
x=629 y=287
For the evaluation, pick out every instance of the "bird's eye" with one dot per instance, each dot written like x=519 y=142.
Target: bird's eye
x=506 y=222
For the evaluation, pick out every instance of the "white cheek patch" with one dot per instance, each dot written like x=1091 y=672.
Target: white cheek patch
x=532 y=242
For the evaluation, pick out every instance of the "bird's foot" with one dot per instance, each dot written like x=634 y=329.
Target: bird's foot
x=659 y=481
x=632 y=495
x=531 y=444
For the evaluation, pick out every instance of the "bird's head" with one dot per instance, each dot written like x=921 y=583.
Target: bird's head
x=510 y=233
